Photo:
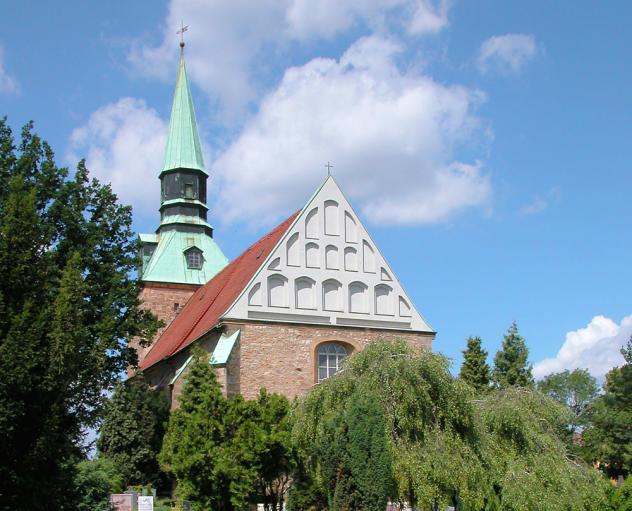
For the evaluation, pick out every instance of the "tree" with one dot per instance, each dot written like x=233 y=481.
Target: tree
x=95 y=481
x=575 y=389
x=609 y=434
x=194 y=435
x=499 y=451
x=227 y=453
x=132 y=431
x=527 y=457
x=354 y=457
x=621 y=499
x=265 y=432
x=475 y=371
x=68 y=305
x=511 y=366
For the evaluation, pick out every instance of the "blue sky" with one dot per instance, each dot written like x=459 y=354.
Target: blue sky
x=486 y=145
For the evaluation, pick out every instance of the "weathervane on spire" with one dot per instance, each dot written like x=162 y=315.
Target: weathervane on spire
x=182 y=30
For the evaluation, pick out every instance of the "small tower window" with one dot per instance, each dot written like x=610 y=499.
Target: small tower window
x=189 y=193
x=194 y=259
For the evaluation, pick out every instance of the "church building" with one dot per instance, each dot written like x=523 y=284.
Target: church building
x=286 y=312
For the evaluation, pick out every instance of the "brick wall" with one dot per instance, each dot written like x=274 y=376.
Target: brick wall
x=282 y=357
x=165 y=301
x=279 y=357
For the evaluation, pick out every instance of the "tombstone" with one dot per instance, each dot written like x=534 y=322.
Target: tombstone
x=146 y=503
x=134 y=495
x=122 y=502
x=186 y=505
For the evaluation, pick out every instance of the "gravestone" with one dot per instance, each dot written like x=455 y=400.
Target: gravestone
x=146 y=503
x=122 y=502
x=134 y=495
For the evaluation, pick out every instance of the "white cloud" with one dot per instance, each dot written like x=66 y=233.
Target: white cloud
x=8 y=84
x=230 y=41
x=594 y=347
x=539 y=203
x=428 y=17
x=223 y=40
x=391 y=135
x=326 y=18
x=123 y=144
x=506 y=53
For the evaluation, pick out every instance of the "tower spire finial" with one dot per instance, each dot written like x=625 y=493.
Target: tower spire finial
x=182 y=30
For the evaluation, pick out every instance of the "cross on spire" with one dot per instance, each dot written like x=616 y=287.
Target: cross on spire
x=183 y=29
x=329 y=167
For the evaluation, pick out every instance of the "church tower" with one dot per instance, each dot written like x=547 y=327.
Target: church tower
x=181 y=255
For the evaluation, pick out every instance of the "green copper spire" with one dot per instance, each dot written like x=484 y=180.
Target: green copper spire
x=182 y=250
x=183 y=145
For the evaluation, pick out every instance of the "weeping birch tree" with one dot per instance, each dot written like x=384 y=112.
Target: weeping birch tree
x=442 y=444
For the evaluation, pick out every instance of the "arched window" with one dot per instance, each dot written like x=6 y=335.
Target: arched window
x=277 y=291
x=331 y=218
x=332 y=295
x=304 y=290
x=332 y=261
x=330 y=357
x=404 y=308
x=369 y=257
x=358 y=297
x=351 y=259
x=311 y=224
x=312 y=255
x=383 y=300
x=351 y=229
x=254 y=296
x=293 y=251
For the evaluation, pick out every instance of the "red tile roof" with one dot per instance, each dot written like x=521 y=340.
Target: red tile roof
x=203 y=310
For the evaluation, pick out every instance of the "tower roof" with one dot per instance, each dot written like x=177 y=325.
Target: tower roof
x=183 y=144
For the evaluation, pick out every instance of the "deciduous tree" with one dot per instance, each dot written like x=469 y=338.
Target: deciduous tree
x=68 y=305
x=575 y=389
x=499 y=451
x=609 y=432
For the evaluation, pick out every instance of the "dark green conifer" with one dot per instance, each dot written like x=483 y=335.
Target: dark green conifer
x=132 y=431
x=194 y=437
x=475 y=370
x=511 y=364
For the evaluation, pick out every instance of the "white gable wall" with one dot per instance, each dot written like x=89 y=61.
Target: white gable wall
x=327 y=270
